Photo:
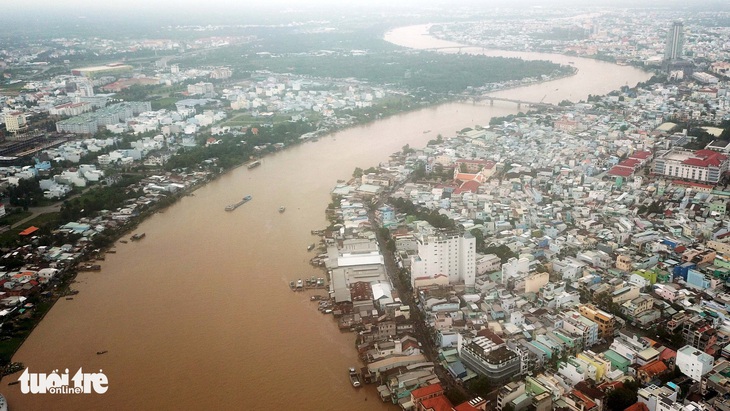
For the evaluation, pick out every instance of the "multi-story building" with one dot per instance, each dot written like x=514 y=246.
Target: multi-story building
x=15 y=121
x=699 y=333
x=606 y=322
x=204 y=89
x=675 y=41
x=693 y=362
x=576 y=323
x=508 y=393
x=83 y=124
x=114 y=69
x=221 y=73
x=702 y=165
x=496 y=364
x=652 y=395
x=716 y=379
x=451 y=254
x=70 y=109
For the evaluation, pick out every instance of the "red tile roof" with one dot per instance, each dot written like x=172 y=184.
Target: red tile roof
x=621 y=171
x=667 y=354
x=630 y=162
x=470 y=186
x=440 y=403
x=29 y=230
x=643 y=155
x=426 y=391
x=491 y=335
x=654 y=368
x=589 y=404
x=637 y=406
x=705 y=158
x=465 y=407
x=691 y=184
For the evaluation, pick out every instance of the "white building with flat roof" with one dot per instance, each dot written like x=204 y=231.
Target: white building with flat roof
x=452 y=254
x=705 y=166
x=693 y=362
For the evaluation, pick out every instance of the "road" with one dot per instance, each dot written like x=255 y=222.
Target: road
x=422 y=332
x=53 y=208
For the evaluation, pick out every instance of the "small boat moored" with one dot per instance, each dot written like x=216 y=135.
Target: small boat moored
x=311 y=247
x=354 y=378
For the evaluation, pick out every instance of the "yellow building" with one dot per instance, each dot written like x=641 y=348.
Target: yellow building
x=623 y=262
x=15 y=121
x=606 y=322
x=602 y=365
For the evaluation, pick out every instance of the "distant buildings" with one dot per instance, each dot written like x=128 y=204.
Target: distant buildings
x=201 y=89
x=221 y=73
x=112 y=69
x=88 y=123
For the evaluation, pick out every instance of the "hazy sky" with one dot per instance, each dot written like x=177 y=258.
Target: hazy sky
x=243 y=4
x=172 y=12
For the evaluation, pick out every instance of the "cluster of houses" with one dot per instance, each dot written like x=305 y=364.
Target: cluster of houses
x=625 y=35
x=581 y=261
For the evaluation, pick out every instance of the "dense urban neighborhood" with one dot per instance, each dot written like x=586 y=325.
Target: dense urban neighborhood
x=572 y=256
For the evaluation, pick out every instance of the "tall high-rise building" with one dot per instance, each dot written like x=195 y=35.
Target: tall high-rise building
x=675 y=41
x=444 y=253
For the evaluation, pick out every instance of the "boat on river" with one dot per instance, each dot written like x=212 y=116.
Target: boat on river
x=311 y=247
x=254 y=164
x=244 y=200
x=138 y=236
x=282 y=209
x=354 y=378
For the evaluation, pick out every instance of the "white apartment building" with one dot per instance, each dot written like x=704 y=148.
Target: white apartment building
x=693 y=362
x=488 y=263
x=205 y=89
x=702 y=165
x=450 y=254
x=574 y=322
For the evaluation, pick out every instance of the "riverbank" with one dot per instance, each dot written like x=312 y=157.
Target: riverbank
x=164 y=311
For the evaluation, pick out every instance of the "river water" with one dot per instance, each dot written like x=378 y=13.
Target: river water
x=199 y=315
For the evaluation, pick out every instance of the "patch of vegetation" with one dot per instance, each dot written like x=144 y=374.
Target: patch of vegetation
x=45 y=222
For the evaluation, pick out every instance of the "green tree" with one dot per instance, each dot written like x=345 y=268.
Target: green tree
x=479 y=236
x=620 y=399
x=26 y=193
x=480 y=386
